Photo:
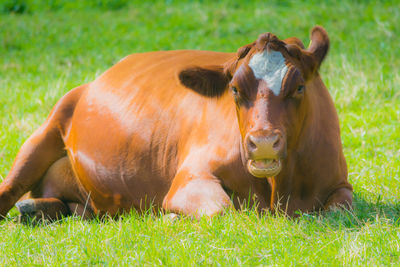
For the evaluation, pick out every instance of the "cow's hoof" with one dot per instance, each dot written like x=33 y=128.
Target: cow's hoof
x=26 y=207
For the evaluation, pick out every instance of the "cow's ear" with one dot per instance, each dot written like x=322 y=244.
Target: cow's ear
x=319 y=45
x=310 y=59
x=208 y=81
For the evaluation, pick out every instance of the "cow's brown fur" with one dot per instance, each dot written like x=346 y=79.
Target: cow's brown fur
x=162 y=129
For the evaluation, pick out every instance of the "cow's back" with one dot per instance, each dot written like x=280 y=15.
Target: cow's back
x=136 y=123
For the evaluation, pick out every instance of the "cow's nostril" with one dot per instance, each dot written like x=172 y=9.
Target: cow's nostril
x=277 y=144
x=251 y=145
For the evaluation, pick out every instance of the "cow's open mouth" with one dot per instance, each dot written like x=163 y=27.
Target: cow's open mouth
x=264 y=167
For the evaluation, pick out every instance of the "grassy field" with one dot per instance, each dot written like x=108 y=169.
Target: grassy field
x=47 y=50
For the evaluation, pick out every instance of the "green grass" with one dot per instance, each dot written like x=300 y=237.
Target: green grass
x=45 y=50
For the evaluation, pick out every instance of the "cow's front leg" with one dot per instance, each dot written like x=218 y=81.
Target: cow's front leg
x=196 y=195
x=340 y=198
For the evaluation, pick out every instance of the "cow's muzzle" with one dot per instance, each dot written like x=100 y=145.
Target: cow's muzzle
x=264 y=151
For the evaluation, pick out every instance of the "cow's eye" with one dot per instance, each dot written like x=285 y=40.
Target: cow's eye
x=300 y=89
x=234 y=90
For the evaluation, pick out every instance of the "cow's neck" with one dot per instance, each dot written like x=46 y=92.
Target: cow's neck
x=297 y=185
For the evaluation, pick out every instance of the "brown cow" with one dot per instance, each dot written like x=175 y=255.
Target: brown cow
x=191 y=132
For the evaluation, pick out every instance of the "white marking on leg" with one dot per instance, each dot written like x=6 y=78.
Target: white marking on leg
x=269 y=66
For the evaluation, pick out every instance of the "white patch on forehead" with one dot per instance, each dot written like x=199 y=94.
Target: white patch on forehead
x=269 y=66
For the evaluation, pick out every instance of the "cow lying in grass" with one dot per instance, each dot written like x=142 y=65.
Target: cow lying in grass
x=191 y=132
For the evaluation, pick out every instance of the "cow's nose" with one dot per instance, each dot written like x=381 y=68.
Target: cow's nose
x=264 y=145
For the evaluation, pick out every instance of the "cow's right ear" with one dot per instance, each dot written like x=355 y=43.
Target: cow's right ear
x=319 y=44
x=210 y=81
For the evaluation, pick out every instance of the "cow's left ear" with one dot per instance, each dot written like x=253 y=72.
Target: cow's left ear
x=310 y=59
x=319 y=45
x=208 y=81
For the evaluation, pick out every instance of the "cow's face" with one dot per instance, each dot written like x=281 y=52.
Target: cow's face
x=268 y=92
x=268 y=81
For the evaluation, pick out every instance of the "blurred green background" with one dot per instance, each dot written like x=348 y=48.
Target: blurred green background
x=49 y=47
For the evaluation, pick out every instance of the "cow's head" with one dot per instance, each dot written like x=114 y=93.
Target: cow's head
x=268 y=80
